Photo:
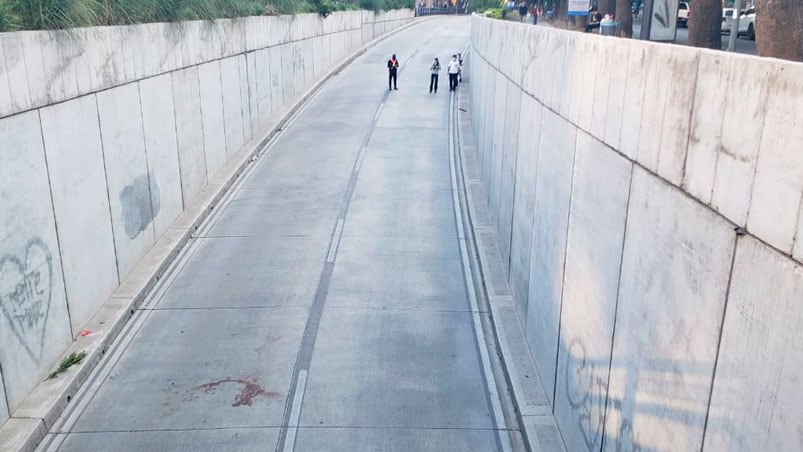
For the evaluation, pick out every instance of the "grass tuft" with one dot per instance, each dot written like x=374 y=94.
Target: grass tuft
x=66 y=363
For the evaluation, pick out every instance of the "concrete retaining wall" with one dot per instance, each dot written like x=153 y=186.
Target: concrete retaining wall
x=654 y=325
x=108 y=133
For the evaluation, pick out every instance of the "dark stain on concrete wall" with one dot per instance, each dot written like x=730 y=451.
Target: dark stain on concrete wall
x=140 y=201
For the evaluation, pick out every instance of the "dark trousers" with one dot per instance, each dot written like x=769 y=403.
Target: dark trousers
x=433 y=83
x=392 y=79
x=452 y=82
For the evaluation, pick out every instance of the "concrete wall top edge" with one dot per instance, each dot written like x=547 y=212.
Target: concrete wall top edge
x=636 y=42
x=43 y=67
x=211 y=23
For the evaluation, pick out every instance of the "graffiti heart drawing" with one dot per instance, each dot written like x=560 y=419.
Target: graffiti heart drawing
x=25 y=292
x=586 y=393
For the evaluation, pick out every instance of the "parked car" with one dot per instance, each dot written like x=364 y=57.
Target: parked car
x=727 y=19
x=684 y=14
x=747 y=24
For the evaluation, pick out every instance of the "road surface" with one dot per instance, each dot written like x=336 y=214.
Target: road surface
x=743 y=45
x=328 y=294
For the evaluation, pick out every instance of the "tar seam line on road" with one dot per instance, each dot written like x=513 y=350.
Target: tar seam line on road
x=358 y=166
x=403 y=309
x=271 y=426
x=261 y=235
x=379 y=111
x=479 y=334
x=304 y=357
x=226 y=308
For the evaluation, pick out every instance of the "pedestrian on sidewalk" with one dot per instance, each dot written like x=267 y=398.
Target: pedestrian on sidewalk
x=534 y=14
x=453 y=69
x=522 y=10
x=393 y=71
x=435 y=69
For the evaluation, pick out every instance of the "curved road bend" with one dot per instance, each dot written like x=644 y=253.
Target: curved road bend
x=327 y=294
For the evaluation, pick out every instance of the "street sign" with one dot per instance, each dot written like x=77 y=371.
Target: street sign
x=579 y=7
x=664 y=20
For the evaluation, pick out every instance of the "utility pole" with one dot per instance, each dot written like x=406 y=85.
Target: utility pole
x=646 y=19
x=737 y=7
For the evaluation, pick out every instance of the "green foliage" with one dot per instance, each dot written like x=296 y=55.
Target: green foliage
x=480 y=6
x=496 y=13
x=9 y=20
x=289 y=7
x=36 y=14
x=326 y=7
x=372 y=5
x=399 y=4
x=59 y=14
x=384 y=5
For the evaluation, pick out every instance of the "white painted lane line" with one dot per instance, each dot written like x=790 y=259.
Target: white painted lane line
x=379 y=111
x=358 y=164
x=335 y=241
x=493 y=391
x=295 y=414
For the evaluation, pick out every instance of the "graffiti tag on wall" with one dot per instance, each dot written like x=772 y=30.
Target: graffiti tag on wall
x=25 y=291
x=298 y=58
x=586 y=391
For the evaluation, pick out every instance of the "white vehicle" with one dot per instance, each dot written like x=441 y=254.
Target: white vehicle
x=727 y=19
x=747 y=24
x=684 y=14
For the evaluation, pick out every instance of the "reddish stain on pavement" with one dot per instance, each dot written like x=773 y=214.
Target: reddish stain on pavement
x=250 y=390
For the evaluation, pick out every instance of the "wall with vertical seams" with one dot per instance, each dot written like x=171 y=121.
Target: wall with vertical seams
x=616 y=173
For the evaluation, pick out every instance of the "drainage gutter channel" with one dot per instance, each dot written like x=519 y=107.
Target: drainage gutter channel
x=528 y=410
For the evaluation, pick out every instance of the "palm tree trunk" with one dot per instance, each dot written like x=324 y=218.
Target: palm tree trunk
x=705 y=24
x=779 y=29
x=625 y=18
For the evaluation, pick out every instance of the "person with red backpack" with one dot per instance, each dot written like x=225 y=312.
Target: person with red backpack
x=393 y=70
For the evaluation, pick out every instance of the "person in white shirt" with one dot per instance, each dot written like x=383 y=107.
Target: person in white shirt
x=453 y=69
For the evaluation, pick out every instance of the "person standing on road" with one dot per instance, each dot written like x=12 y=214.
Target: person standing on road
x=453 y=69
x=393 y=70
x=534 y=14
x=435 y=69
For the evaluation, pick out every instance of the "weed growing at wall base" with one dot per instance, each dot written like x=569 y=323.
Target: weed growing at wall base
x=66 y=363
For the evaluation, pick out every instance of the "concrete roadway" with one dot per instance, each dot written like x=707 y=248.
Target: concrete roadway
x=365 y=344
